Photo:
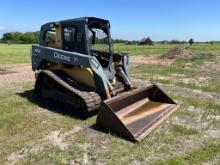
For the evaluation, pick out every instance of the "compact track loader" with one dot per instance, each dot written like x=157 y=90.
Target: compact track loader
x=75 y=65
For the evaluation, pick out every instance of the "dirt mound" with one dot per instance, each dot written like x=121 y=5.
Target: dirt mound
x=177 y=52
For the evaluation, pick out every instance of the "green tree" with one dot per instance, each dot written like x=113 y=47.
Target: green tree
x=28 y=38
x=191 y=41
x=17 y=37
x=7 y=36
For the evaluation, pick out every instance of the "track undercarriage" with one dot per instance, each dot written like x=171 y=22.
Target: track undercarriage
x=59 y=87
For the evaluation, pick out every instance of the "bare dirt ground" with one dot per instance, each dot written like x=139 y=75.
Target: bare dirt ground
x=140 y=59
x=15 y=73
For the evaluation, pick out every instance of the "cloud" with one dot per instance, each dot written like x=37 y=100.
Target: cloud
x=2 y=28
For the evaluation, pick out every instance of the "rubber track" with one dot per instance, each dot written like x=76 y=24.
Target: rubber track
x=91 y=99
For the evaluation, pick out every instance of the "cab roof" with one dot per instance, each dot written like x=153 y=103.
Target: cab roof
x=81 y=20
x=84 y=19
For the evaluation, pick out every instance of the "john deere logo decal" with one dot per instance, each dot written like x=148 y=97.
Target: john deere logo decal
x=61 y=57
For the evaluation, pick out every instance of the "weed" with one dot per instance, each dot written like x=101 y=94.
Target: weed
x=171 y=161
x=181 y=130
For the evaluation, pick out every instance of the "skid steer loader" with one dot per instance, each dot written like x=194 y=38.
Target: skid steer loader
x=75 y=65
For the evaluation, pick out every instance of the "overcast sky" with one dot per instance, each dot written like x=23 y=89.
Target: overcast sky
x=159 y=19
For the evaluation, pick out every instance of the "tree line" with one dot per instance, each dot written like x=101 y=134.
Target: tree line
x=21 y=38
x=149 y=41
x=33 y=37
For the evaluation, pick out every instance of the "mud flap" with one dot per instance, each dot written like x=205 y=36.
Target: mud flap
x=136 y=114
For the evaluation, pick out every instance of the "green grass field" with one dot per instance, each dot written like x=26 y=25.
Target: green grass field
x=33 y=134
x=14 y=53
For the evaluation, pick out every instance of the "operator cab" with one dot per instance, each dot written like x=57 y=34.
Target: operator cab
x=86 y=35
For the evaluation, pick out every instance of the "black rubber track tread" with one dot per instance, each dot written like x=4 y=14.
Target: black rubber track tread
x=91 y=99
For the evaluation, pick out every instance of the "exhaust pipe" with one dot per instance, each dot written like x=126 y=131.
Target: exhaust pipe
x=134 y=115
